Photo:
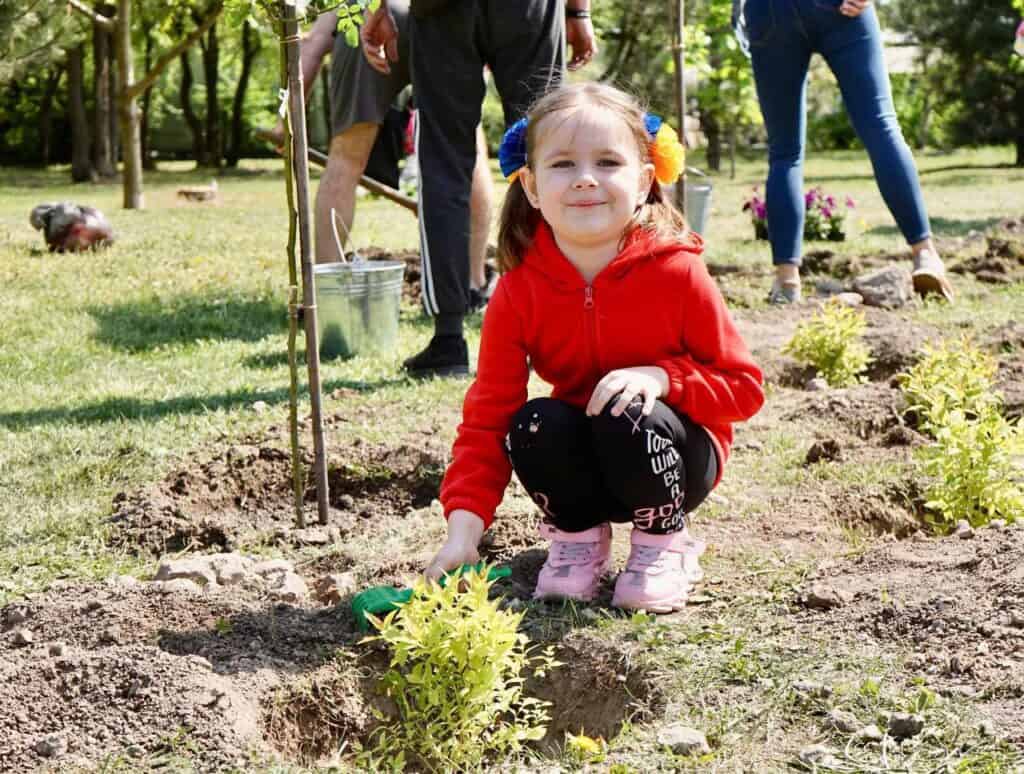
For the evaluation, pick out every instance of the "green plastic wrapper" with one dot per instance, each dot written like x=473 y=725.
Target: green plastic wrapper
x=381 y=600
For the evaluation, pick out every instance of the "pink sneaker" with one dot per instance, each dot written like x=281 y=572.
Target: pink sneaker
x=660 y=572
x=576 y=561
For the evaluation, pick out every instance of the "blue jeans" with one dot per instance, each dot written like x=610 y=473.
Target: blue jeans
x=783 y=34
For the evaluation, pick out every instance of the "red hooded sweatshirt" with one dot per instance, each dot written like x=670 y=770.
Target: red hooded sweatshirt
x=654 y=305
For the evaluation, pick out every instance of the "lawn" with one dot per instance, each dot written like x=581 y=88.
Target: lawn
x=122 y=369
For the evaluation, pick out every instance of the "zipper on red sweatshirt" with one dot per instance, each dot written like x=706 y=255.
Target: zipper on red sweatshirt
x=590 y=325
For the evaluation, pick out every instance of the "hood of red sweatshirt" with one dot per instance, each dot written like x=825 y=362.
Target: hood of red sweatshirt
x=641 y=244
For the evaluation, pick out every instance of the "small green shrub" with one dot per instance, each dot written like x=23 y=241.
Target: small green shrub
x=973 y=466
x=456 y=675
x=974 y=471
x=952 y=376
x=831 y=342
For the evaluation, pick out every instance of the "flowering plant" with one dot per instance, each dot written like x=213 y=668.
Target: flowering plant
x=824 y=215
x=758 y=214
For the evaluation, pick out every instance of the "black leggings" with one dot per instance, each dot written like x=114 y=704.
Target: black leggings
x=583 y=471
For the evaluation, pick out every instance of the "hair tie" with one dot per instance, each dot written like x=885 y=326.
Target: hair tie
x=512 y=152
x=667 y=153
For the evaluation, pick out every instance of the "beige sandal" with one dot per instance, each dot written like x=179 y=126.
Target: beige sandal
x=929 y=275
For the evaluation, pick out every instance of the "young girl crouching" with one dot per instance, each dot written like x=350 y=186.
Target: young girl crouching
x=604 y=294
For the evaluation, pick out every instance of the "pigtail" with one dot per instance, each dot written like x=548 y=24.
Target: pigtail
x=661 y=217
x=518 y=222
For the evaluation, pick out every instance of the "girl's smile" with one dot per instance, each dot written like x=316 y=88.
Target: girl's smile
x=588 y=179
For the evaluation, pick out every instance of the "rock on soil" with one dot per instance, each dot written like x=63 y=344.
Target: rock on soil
x=684 y=740
x=888 y=288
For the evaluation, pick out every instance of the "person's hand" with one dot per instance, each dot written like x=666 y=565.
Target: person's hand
x=379 y=36
x=465 y=529
x=854 y=8
x=649 y=382
x=579 y=34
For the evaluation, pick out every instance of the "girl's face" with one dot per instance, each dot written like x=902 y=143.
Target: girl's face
x=586 y=177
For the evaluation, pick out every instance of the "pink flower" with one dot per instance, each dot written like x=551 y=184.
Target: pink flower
x=826 y=212
x=849 y=203
x=760 y=210
x=830 y=200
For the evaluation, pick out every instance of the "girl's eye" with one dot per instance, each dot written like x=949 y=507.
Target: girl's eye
x=562 y=164
x=609 y=163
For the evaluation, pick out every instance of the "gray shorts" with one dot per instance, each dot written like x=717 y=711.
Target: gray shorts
x=359 y=94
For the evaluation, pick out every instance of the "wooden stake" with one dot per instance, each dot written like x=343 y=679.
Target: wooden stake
x=300 y=169
x=293 y=309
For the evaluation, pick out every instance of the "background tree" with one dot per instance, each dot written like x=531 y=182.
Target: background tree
x=977 y=76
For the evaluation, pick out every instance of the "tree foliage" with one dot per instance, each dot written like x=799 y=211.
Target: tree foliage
x=977 y=75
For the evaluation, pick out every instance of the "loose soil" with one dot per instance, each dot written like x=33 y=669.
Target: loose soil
x=228 y=677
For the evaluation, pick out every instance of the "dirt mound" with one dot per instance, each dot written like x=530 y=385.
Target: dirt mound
x=600 y=686
x=412 y=261
x=1002 y=263
x=92 y=683
x=310 y=719
x=959 y=603
x=865 y=411
x=244 y=493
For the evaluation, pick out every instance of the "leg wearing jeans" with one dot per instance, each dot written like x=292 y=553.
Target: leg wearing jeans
x=853 y=50
x=780 y=74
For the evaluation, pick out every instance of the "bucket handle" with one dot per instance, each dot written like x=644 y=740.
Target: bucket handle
x=335 y=220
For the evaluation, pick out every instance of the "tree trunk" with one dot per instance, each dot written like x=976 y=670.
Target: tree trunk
x=148 y=162
x=46 y=113
x=128 y=109
x=81 y=163
x=250 y=48
x=213 y=146
x=102 y=148
x=114 y=126
x=185 y=100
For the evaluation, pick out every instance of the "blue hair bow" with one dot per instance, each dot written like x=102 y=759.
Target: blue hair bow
x=512 y=152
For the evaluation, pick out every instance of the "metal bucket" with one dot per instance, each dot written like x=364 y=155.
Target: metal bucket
x=698 y=204
x=357 y=306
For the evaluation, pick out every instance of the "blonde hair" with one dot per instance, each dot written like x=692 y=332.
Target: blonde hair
x=519 y=218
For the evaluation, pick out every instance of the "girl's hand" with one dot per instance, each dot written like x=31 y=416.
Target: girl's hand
x=465 y=529
x=650 y=382
x=854 y=8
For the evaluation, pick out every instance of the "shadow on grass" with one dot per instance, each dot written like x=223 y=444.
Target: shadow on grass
x=143 y=325
x=117 y=409
x=959 y=180
x=945 y=226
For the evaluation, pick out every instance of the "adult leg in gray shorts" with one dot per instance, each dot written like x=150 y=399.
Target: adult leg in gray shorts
x=359 y=94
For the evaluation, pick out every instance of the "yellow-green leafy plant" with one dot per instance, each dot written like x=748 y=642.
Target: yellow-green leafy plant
x=456 y=675
x=832 y=342
x=974 y=466
x=951 y=376
x=974 y=470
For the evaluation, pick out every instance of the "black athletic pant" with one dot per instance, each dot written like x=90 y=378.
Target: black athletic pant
x=522 y=42
x=583 y=471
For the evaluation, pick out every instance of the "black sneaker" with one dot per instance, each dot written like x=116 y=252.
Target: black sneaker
x=444 y=356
